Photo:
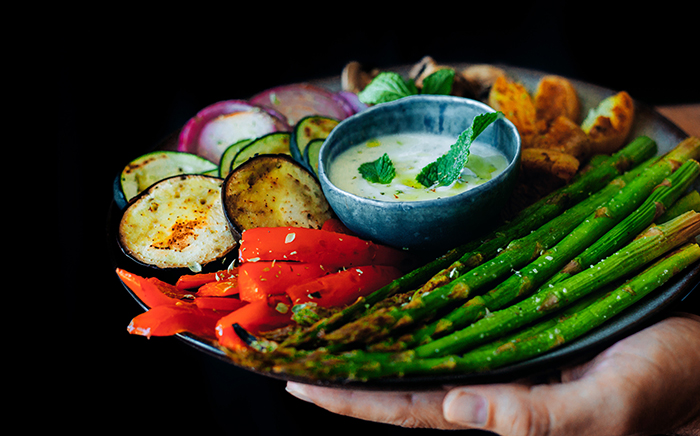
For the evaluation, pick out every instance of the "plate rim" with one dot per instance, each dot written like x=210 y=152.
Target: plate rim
x=585 y=347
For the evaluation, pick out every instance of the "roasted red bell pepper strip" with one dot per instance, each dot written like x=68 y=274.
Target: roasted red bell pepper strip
x=258 y=280
x=331 y=249
x=344 y=287
x=168 y=320
x=194 y=281
x=255 y=317
x=154 y=292
x=223 y=305
x=221 y=288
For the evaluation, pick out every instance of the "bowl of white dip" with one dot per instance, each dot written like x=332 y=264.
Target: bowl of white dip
x=397 y=140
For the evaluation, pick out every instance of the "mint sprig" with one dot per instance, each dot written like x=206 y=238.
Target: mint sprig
x=447 y=168
x=439 y=83
x=389 y=86
x=385 y=87
x=378 y=171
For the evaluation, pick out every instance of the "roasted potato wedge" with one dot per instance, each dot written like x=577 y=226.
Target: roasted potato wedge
x=609 y=124
x=555 y=97
x=564 y=135
x=273 y=190
x=541 y=172
x=551 y=162
x=517 y=105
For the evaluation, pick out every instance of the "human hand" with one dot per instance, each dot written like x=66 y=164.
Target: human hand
x=646 y=383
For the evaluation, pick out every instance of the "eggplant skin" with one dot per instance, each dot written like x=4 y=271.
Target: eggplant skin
x=274 y=190
x=178 y=222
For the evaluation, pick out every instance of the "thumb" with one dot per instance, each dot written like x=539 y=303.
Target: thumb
x=518 y=409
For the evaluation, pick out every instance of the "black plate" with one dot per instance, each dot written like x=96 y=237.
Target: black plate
x=647 y=122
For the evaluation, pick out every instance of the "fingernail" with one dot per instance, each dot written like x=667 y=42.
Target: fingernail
x=298 y=391
x=467 y=408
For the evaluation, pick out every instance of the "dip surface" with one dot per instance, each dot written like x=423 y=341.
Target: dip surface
x=410 y=152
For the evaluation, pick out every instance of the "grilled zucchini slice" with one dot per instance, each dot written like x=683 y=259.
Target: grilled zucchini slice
x=230 y=154
x=312 y=152
x=178 y=222
x=151 y=167
x=306 y=130
x=272 y=143
x=273 y=190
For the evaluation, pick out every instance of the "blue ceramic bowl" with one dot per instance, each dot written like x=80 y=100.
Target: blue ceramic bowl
x=430 y=225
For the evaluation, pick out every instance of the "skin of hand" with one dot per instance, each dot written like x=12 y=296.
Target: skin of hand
x=647 y=383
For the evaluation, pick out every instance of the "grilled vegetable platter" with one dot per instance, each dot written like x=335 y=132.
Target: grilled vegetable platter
x=222 y=234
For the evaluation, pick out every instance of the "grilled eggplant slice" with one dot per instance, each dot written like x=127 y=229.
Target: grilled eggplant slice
x=176 y=223
x=272 y=190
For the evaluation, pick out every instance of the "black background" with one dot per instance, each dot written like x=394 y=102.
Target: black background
x=118 y=80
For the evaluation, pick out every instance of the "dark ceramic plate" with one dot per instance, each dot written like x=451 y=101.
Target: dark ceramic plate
x=647 y=122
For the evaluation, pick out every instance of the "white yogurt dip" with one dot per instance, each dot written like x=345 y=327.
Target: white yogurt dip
x=410 y=152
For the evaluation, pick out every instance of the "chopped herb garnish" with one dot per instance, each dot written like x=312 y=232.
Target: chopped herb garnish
x=447 y=168
x=379 y=171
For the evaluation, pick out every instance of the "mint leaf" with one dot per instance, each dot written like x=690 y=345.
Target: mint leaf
x=379 y=171
x=428 y=175
x=447 y=168
x=439 y=83
x=387 y=86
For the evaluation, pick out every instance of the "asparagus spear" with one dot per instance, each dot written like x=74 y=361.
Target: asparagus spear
x=358 y=364
x=690 y=201
x=662 y=199
x=651 y=244
x=626 y=230
x=471 y=254
x=381 y=323
x=590 y=233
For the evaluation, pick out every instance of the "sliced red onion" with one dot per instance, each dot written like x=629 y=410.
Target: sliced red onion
x=352 y=100
x=221 y=124
x=301 y=99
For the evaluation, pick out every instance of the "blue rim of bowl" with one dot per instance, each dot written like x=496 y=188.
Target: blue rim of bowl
x=323 y=175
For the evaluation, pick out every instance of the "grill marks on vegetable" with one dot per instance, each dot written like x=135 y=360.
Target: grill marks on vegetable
x=274 y=190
